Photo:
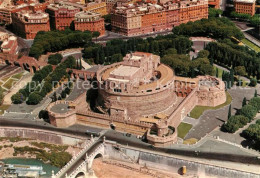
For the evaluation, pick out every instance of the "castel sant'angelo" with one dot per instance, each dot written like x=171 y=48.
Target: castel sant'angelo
x=143 y=96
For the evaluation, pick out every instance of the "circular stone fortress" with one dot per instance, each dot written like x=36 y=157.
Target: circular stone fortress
x=142 y=96
x=139 y=85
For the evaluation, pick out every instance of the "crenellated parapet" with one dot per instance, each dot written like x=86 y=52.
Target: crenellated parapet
x=62 y=113
x=211 y=91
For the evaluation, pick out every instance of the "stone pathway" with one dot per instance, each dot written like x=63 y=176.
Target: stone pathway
x=190 y=120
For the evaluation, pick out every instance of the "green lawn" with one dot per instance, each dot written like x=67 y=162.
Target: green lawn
x=183 y=129
x=9 y=83
x=220 y=72
x=251 y=45
x=18 y=76
x=3 y=108
x=198 y=110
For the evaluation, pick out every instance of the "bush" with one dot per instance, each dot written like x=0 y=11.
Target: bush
x=34 y=99
x=55 y=59
x=17 y=98
x=43 y=114
x=252 y=132
x=234 y=123
x=240 y=70
x=253 y=82
x=248 y=111
x=255 y=101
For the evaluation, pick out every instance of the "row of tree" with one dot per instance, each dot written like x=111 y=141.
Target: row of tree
x=254 y=20
x=217 y=28
x=54 y=59
x=252 y=133
x=53 y=41
x=183 y=66
x=35 y=91
x=231 y=55
x=116 y=49
x=245 y=115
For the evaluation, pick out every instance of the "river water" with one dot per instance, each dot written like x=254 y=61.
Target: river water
x=46 y=167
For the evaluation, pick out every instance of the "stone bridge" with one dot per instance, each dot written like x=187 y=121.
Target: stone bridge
x=32 y=65
x=25 y=62
x=80 y=165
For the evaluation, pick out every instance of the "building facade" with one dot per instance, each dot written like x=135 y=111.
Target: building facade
x=10 y=45
x=6 y=12
x=143 y=18
x=98 y=6
x=90 y=21
x=245 y=6
x=214 y=4
x=27 y=23
x=61 y=16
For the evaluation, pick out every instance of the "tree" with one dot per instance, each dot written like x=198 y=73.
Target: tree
x=1 y=95
x=244 y=102
x=229 y=111
x=215 y=12
x=253 y=82
x=203 y=54
x=217 y=72
x=54 y=97
x=240 y=70
x=34 y=99
x=80 y=64
x=63 y=94
x=255 y=95
x=255 y=101
x=55 y=59
x=116 y=58
x=231 y=77
x=96 y=34
x=248 y=111
x=17 y=98
x=255 y=20
x=70 y=62
x=43 y=114
x=234 y=123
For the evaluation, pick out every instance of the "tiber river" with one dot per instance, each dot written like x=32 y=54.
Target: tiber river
x=46 y=167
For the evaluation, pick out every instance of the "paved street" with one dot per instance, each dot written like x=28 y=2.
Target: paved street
x=111 y=35
x=214 y=118
x=243 y=27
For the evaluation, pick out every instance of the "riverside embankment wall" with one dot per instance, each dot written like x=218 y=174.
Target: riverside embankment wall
x=42 y=135
x=173 y=164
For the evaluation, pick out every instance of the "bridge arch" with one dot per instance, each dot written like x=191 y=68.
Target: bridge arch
x=97 y=155
x=17 y=64
x=81 y=175
x=34 y=69
x=7 y=62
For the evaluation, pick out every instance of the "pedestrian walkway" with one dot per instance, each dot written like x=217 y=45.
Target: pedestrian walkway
x=252 y=39
x=190 y=120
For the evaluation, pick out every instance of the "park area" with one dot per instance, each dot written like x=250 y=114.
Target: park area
x=8 y=82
